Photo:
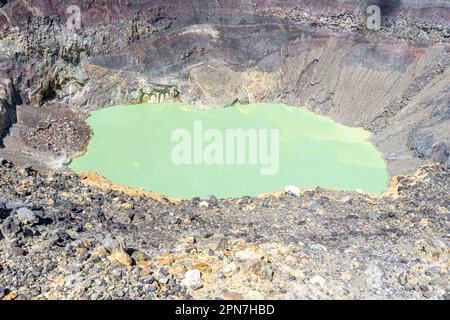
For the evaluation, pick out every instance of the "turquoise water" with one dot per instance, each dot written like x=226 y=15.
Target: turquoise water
x=183 y=152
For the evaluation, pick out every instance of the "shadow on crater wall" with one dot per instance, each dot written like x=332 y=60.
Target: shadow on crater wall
x=11 y=114
x=387 y=6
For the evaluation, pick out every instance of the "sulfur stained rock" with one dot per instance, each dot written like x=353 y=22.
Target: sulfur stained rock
x=229 y=295
x=127 y=205
x=423 y=223
x=346 y=276
x=120 y=256
x=112 y=244
x=100 y=251
x=10 y=296
x=139 y=256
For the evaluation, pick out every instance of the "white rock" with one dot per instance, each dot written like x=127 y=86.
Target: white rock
x=318 y=280
x=292 y=190
x=230 y=268
x=347 y=199
x=374 y=277
x=26 y=216
x=192 y=279
x=318 y=247
x=203 y=204
x=248 y=254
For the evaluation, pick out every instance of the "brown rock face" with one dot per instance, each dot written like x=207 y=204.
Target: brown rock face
x=120 y=256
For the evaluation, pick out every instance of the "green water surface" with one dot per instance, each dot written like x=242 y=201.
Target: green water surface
x=134 y=146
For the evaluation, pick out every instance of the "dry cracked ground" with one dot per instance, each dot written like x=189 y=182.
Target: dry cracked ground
x=77 y=236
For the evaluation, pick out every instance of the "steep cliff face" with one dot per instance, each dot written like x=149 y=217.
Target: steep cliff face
x=314 y=54
x=99 y=12
x=5 y=121
x=8 y=100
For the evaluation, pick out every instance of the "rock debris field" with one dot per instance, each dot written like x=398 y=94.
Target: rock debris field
x=63 y=238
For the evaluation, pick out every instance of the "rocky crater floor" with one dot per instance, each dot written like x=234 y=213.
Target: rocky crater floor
x=65 y=238
x=70 y=236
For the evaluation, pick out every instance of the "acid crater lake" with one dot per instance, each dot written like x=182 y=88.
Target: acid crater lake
x=182 y=152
